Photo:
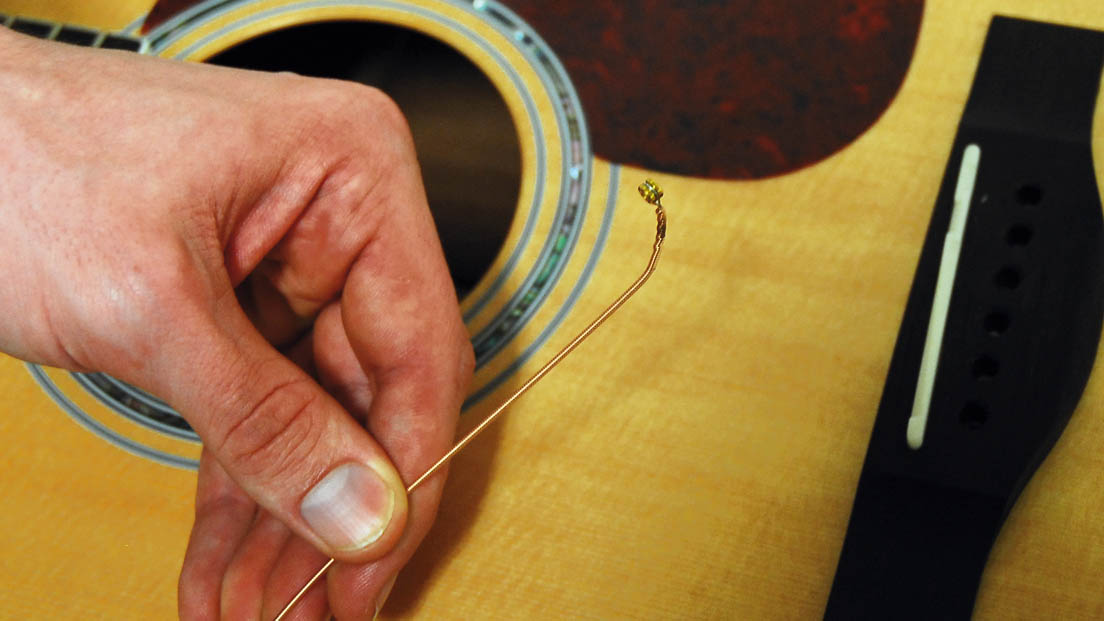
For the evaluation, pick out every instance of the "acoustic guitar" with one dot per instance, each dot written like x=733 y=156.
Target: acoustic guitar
x=698 y=457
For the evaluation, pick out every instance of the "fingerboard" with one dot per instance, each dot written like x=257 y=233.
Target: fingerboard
x=75 y=35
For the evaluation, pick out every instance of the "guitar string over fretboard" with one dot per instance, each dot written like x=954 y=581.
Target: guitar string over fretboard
x=652 y=194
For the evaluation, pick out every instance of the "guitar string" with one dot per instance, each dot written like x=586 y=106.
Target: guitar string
x=651 y=193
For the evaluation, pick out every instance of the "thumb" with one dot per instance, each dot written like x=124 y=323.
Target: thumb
x=287 y=442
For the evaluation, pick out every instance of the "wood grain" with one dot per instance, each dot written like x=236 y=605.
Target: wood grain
x=696 y=459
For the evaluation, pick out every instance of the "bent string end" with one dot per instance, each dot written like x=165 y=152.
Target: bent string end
x=651 y=193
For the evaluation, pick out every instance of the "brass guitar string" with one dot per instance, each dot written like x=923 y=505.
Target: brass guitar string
x=652 y=193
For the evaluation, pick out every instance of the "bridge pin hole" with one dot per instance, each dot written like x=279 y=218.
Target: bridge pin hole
x=996 y=323
x=973 y=415
x=1029 y=194
x=985 y=367
x=1008 y=277
x=1018 y=235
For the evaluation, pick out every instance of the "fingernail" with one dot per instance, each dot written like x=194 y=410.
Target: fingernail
x=349 y=508
x=382 y=599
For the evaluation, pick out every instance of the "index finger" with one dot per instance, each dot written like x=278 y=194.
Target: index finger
x=403 y=323
x=403 y=341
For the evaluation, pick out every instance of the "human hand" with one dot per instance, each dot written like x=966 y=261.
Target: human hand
x=179 y=227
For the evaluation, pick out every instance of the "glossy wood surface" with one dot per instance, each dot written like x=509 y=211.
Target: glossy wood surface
x=696 y=459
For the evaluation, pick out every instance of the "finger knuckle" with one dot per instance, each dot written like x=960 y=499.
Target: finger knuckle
x=370 y=122
x=375 y=106
x=275 y=434
x=360 y=138
x=335 y=107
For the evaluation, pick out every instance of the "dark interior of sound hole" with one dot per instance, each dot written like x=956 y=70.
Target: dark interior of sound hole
x=467 y=143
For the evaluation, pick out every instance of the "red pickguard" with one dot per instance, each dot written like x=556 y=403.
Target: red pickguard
x=724 y=88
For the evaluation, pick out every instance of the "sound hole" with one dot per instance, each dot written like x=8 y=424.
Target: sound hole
x=467 y=143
